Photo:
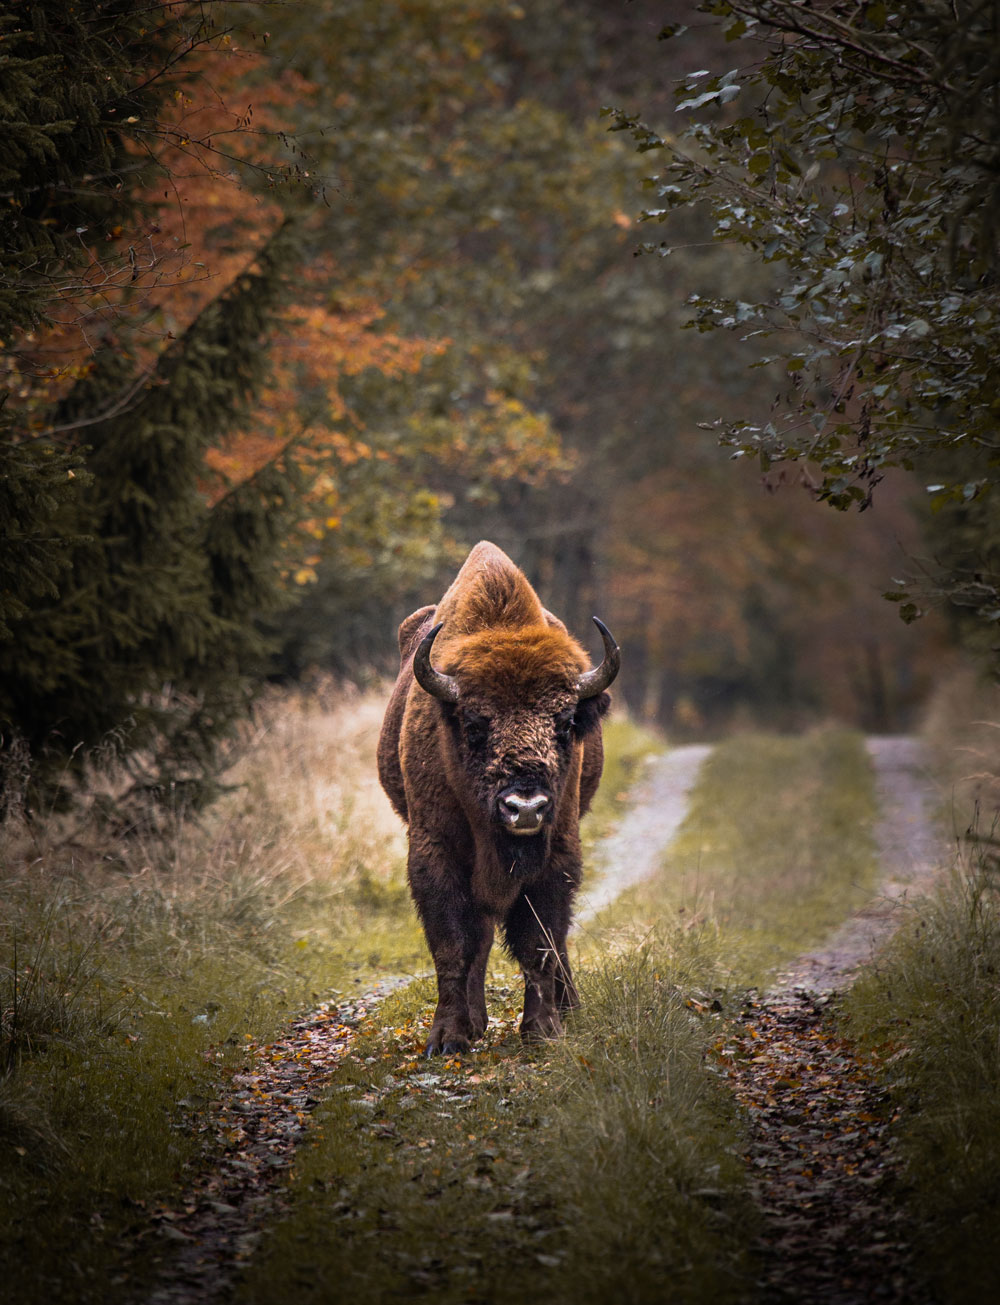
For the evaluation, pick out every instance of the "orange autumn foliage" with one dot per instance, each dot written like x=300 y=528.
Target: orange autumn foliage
x=202 y=225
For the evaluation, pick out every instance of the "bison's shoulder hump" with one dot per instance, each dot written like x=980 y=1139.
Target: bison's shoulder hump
x=489 y=592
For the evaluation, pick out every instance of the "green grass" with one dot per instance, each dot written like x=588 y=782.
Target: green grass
x=132 y=975
x=931 y=1006
x=589 y=1171
x=776 y=850
x=607 y=1165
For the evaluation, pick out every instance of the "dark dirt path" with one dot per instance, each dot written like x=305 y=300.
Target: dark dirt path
x=819 y=1154
x=820 y=1159
x=250 y=1136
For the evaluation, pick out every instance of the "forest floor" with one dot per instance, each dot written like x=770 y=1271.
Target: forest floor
x=818 y=1151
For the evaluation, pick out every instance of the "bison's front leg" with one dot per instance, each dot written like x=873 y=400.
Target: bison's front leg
x=535 y=931
x=459 y=937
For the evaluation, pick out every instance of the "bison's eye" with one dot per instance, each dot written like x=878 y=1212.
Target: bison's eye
x=476 y=729
x=564 y=725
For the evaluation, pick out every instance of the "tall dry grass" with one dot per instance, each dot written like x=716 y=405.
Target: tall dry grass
x=962 y=728
x=135 y=967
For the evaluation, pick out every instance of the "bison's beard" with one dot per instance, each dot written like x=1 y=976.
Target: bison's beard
x=522 y=856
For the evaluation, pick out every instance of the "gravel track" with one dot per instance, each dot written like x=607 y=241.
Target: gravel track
x=634 y=851
x=911 y=852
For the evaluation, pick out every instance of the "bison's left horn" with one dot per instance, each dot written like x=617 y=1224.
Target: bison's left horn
x=437 y=684
x=591 y=683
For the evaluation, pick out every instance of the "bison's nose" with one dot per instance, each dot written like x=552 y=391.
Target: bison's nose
x=523 y=813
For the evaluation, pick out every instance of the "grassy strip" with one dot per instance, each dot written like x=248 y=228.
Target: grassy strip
x=776 y=850
x=932 y=1006
x=592 y=1171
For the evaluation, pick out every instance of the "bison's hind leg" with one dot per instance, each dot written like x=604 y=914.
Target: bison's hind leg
x=478 y=1017
x=535 y=934
x=567 y=997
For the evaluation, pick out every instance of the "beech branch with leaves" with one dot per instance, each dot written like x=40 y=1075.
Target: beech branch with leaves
x=852 y=150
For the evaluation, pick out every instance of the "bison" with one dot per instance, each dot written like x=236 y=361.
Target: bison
x=491 y=751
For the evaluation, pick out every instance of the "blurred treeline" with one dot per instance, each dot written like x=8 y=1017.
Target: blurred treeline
x=299 y=301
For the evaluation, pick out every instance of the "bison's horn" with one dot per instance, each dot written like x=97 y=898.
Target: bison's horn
x=591 y=683
x=437 y=685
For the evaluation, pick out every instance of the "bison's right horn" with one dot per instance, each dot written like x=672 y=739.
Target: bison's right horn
x=438 y=685
x=591 y=683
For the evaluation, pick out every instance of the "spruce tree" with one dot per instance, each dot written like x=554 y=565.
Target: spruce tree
x=130 y=593
x=148 y=638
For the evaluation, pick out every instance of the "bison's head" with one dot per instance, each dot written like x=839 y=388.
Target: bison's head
x=518 y=703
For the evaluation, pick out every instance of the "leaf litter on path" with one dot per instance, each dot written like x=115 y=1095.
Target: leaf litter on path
x=820 y=1130
x=250 y=1134
x=820 y=1157
x=253 y=1129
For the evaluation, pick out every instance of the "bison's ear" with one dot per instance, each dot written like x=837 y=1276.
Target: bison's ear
x=411 y=629
x=587 y=716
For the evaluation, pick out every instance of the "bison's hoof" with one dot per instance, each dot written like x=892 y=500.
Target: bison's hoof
x=541 y=1030
x=453 y=1046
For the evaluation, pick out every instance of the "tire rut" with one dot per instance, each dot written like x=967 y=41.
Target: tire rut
x=250 y=1134
x=821 y=1159
x=633 y=852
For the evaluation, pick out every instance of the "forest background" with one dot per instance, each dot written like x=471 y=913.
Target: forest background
x=300 y=300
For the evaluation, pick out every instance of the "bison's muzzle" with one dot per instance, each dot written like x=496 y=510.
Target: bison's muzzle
x=523 y=813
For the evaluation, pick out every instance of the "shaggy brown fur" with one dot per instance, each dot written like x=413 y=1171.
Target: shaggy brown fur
x=518 y=728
